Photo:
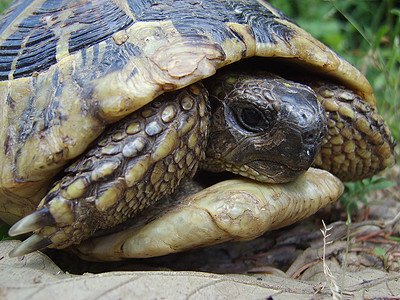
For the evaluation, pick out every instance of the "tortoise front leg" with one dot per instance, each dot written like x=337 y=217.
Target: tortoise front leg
x=133 y=164
x=232 y=210
x=358 y=143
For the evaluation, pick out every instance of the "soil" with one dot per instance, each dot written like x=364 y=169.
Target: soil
x=294 y=255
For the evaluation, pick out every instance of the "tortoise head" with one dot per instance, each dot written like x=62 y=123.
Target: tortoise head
x=263 y=127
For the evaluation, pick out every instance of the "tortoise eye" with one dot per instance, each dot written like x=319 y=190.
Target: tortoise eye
x=251 y=119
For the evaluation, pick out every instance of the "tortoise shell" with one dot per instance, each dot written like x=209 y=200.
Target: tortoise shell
x=70 y=68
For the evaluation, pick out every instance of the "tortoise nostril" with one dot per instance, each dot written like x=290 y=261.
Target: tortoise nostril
x=309 y=138
x=312 y=137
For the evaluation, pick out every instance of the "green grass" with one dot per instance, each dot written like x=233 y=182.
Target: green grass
x=4 y=4
x=366 y=33
x=4 y=233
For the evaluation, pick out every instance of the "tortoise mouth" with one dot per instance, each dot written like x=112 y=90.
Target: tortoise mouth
x=271 y=171
x=291 y=125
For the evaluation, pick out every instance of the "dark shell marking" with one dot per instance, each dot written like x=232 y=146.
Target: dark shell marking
x=68 y=69
x=54 y=29
x=137 y=161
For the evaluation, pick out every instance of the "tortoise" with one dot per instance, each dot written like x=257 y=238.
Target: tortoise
x=103 y=111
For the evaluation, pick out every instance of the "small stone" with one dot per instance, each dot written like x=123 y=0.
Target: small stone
x=120 y=37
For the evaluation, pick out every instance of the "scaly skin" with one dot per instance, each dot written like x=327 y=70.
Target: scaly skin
x=232 y=210
x=143 y=157
x=358 y=143
x=290 y=138
x=71 y=68
x=136 y=162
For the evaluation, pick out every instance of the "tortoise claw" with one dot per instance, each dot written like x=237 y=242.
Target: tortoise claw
x=32 y=222
x=33 y=243
x=231 y=210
